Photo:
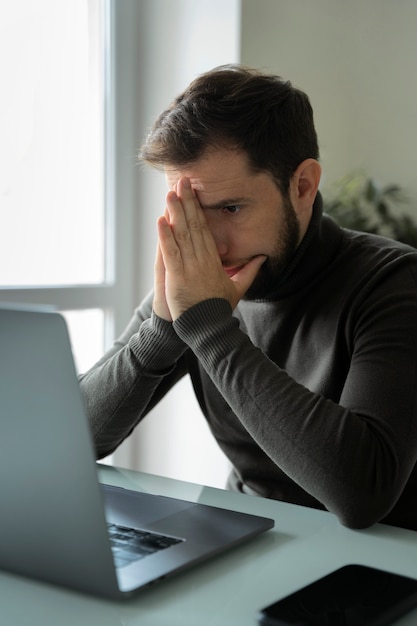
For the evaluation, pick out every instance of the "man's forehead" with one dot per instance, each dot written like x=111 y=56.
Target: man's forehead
x=214 y=171
x=202 y=183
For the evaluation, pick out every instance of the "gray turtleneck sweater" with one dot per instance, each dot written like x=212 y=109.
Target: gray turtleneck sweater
x=310 y=392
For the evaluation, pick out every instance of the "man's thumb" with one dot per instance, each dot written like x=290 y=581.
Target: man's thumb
x=247 y=274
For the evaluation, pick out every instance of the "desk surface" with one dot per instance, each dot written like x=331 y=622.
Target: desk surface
x=227 y=590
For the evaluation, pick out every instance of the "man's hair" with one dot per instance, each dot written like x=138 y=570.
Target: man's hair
x=238 y=108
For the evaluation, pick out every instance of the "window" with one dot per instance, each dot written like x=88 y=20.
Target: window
x=52 y=144
x=56 y=235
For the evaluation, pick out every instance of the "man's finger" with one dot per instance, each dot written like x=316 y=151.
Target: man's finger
x=171 y=254
x=188 y=224
x=160 y=305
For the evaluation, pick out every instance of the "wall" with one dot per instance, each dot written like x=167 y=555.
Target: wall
x=356 y=60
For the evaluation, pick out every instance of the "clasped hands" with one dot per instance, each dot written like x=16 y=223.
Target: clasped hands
x=188 y=268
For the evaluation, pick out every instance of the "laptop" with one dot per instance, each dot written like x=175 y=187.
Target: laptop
x=58 y=523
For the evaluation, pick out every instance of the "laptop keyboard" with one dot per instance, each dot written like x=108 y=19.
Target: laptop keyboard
x=129 y=544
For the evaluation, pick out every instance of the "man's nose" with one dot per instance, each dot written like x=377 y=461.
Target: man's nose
x=219 y=235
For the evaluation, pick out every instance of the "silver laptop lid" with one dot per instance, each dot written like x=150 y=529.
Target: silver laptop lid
x=48 y=479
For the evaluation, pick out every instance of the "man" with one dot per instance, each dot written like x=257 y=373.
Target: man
x=300 y=337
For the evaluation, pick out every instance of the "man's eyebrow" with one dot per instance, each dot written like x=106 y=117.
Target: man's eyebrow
x=223 y=203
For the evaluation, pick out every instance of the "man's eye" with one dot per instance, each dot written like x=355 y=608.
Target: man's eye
x=231 y=209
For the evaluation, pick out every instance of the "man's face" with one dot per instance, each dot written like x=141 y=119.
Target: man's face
x=246 y=213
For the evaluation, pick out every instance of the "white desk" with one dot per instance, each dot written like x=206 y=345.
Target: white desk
x=230 y=589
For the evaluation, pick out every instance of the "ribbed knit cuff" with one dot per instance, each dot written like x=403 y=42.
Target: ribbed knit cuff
x=157 y=346
x=209 y=329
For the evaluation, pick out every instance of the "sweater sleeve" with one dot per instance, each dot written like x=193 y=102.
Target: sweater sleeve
x=131 y=378
x=355 y=455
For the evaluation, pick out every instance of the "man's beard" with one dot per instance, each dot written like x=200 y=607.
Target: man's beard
x=272 y=269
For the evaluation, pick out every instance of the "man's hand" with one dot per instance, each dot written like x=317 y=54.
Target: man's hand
x=188 y=268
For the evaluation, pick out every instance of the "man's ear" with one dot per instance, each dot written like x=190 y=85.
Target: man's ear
x=304 y=184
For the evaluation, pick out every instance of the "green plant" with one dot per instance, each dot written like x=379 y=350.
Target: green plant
x=359 y=203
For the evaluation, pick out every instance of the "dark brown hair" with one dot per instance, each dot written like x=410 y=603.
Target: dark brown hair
x=238 y=108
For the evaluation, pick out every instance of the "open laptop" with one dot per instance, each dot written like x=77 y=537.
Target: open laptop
x=56 y=520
